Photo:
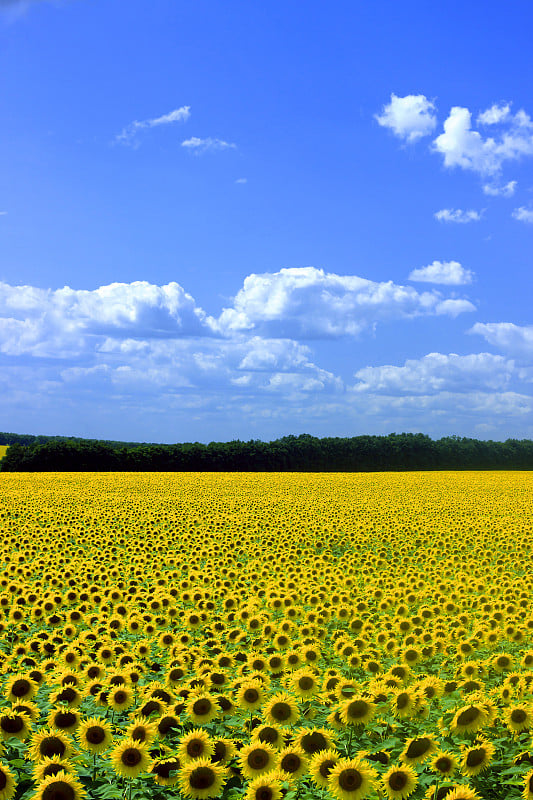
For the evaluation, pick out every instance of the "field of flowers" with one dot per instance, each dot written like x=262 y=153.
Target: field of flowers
x=259 y=636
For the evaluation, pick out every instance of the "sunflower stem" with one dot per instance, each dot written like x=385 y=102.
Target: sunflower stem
x=94 y=767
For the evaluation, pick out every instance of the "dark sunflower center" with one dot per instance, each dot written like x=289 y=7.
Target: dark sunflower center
x=468 y=715
x=251 y=695
x=476 y=757
x=418 y=747
x=220 y=752
x=195 y=748
x=52 y=769
x=20 y=688
x=518 y=715
x=357 y=709
x=398 y=781
x=95 y=735
x=202 y=778
x=131 y=757
x=281 y=711
x=305 y=683
x=443 y=764
x=202 y=707
x=264 y=793
x=68 y=695
x=149 y=707
x=291 y=762
x=402 y=700
x=314 y=742
x=59 y=790
x=51 y=746
x=120 y=697
x=268 y=735
x=3 y=780
x=350 y=780
x=65 y=719
x=11 y=724
x=258 y=758
x=139 y=734
x=326 y=767
x=167 y=724
x=164 y=770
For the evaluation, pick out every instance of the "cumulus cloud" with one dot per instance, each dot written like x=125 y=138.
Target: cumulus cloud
x=450 y=273
x=494 y=114
x=457 y=215
x=128 y=135
x=495 y=189
x=437 y=372
x=461 y=146
x=523 y=214
x=44 y=322
x=197 y=145
x=410 y=117
x=506 y=336
x=308 y=303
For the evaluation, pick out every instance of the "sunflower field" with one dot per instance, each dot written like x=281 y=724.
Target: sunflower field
x=266 y=636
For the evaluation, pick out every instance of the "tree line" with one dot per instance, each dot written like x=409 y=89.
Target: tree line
x=305 y=453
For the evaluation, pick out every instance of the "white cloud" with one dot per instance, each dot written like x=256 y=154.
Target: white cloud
x=129 y=133
x=463 y=147
x=3 y=213
x=437 y=372
x=494 y=114
x=308 y=303
x=198 y=145
x=410 y=117
x=241 y=180
x=495 y=190
x=523 y=214
x=457 y=215
x=450 y=273
x=506 y=336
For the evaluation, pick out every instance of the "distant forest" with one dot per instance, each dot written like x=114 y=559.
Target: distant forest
x=397 y=451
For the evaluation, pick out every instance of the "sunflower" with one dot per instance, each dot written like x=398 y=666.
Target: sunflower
x=167 y=725
x=351 y=779
x=95 y=735
x=194 y=745
x=303 y=683
x=68 y=694
x=141 y=731
x=399 y=782
x=402 y=702
x=63 y=719
x=120 y=697
x=314 y=740
x=51 y=766
x=477 y=758
x=293 y=762
x=269 y=734
x=224 y=750
x=265 y=787
x=527 y=791
x=418 y=749
x=282 y=709
x=130 y=758
x=14 y=725
x=202 y=779
x=357 y=710
x=202 y=709
x=257 y=758
x=7 y=783
x=19 y=688
x=469 y=719
x=60 y=787
x=444 y=763
x=48 y=743
x=463 y=793
x=166 y=771
x=518 y=717
x=320 y=766
x=30 y=709
x=250 y=695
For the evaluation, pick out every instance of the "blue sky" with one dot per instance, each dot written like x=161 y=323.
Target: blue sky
x=245 y=220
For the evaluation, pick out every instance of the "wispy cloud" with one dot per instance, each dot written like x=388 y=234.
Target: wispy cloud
x=3 y=213
x=197 y=145
x=495 y=190
x=241 y=180
x=457 y=215
x=128 y=135
x=523 y=214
